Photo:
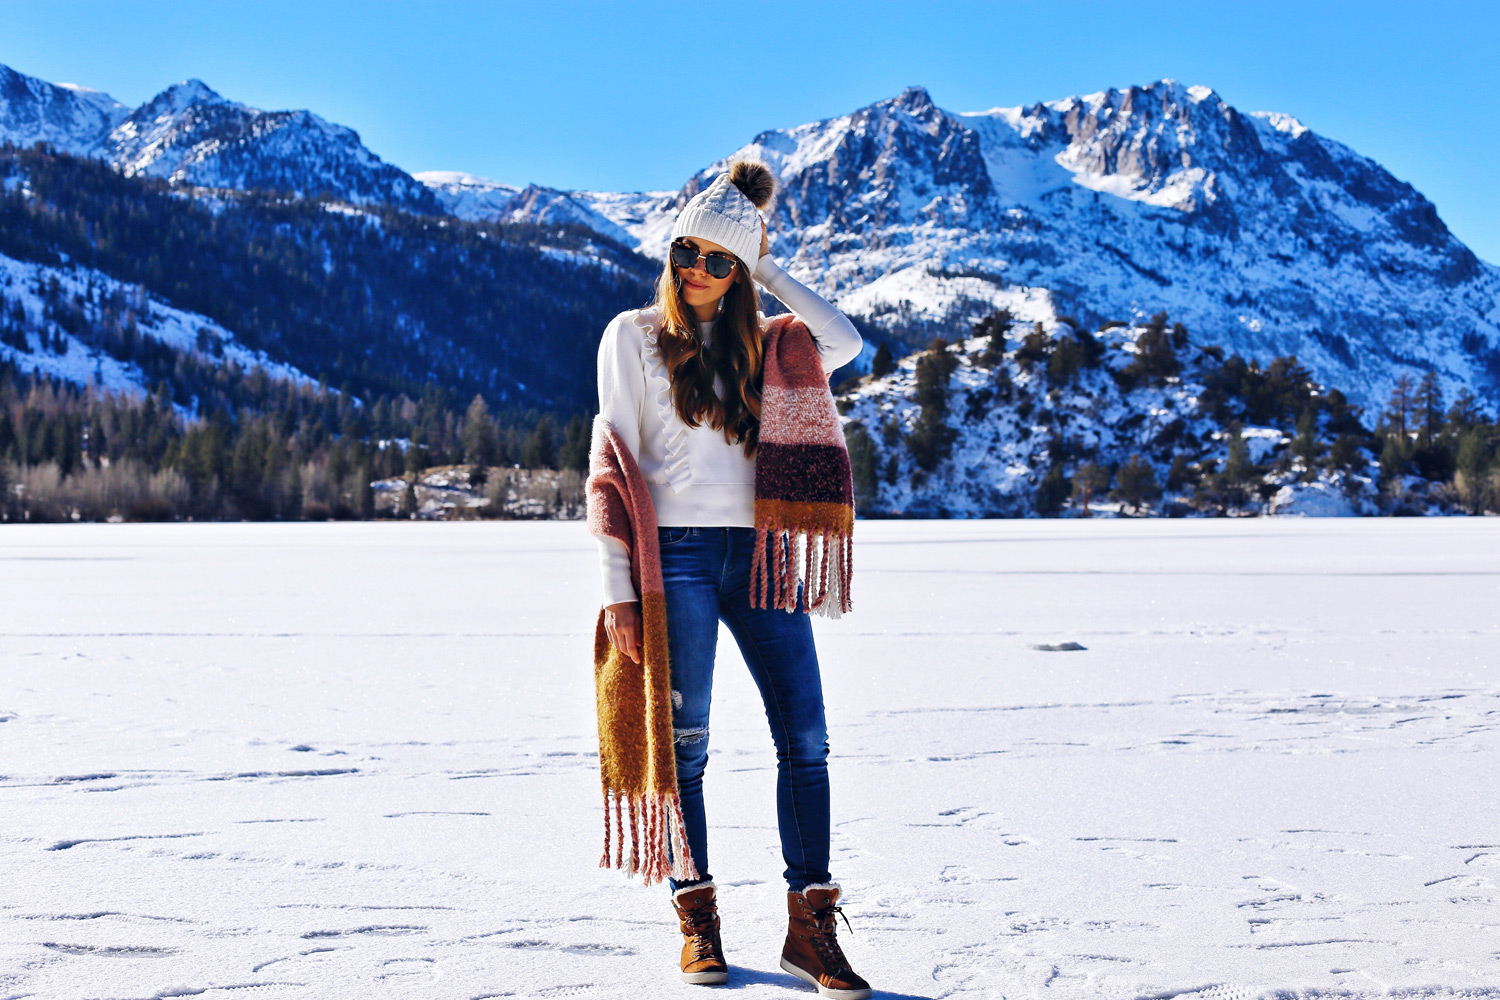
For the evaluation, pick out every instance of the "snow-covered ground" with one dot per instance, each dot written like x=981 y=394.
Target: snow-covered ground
x=357 y=760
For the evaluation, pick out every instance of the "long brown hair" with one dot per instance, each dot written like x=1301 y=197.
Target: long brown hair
x=736 y=355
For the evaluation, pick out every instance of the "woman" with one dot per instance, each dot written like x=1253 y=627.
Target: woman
x=681 y=382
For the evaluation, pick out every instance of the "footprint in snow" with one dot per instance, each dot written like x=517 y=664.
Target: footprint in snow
x=120 y=951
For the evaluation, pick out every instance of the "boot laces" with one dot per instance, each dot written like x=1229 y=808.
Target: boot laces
x=826 y=938
x=703 y=947
x=699 y=926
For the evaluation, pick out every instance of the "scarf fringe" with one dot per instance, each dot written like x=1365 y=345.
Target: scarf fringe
x=820 y=563
x=663 y=851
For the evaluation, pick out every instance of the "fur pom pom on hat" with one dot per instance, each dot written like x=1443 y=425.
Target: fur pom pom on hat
x=727 y=211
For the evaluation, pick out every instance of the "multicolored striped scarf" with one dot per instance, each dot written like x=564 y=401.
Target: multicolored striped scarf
x=804 y=509
x=804 y=492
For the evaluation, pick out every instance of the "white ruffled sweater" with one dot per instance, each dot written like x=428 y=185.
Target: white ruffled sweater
x=694 y=475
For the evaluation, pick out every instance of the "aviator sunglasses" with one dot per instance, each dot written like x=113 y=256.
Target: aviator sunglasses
x=717 y=264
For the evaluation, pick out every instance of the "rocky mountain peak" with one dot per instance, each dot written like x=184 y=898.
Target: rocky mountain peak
x=181 y=96
x=914 y=101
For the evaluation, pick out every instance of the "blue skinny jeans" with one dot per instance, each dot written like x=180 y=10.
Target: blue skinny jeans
x=706 y=571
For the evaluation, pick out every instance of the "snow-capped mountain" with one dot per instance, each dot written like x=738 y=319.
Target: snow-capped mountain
x=469 y=197
x=70 y=117
x=1264 y=237
x=480 y=199
x=190 y=134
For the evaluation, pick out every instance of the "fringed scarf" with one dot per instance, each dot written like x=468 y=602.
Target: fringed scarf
x=804 y=501
x=804 y=491
x=633 y=700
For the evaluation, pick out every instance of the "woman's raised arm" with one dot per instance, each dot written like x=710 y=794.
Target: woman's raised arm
x=838 y=342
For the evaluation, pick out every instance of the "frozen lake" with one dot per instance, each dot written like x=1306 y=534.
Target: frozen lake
x=358 y=760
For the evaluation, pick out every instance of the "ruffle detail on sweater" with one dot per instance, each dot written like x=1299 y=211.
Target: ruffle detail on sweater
x=678 y=470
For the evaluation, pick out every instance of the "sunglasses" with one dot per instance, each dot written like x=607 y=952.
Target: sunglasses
x=717 y=264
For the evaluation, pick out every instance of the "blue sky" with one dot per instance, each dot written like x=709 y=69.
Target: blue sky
x=638 y=96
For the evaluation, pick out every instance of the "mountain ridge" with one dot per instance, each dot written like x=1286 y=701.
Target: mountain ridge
x=1266 y=238
x=188 y=133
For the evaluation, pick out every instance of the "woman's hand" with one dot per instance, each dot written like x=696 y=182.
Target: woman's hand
x=622 y=623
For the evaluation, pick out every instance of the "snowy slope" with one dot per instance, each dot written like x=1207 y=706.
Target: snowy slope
x=85 y=364
x=1011 y=423
x=469 y=196
x=272 y=760
x=68 y=116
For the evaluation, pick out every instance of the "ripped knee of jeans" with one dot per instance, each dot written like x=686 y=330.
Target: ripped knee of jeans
x=694 y=734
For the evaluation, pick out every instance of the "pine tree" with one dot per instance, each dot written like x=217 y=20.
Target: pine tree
x=481 y=442
x=1179 y=476
x=931 y=439
x=892 y=469
x=933 y=370
x=1305 y=445
x=1401 y=405
x=1237 y=468
x=415 y=459
x=1392 y=458
x=863 y=463
x=574 y=453
x=1473 y=462
x=1091 y=478
x=1429 y=405
x=1344 y=454
x=1067 y=357
x=1135 y=483
x=540 y=451
x=997 y=326
x=883 y=364
x=1465 y=411
x=1005 y=386
x=409 y=499
x=1154 y=356
x=1052 y=491
x=1034 y=347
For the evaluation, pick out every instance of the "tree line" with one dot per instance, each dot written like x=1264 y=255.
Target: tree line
x=70 y=452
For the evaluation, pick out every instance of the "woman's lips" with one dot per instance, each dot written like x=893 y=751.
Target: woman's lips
x=692 y=284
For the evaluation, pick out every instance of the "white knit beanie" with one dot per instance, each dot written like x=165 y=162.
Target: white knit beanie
x=726 y=211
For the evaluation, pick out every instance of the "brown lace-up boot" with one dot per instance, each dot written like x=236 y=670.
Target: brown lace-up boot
x=812 y=951
x=702 y=952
